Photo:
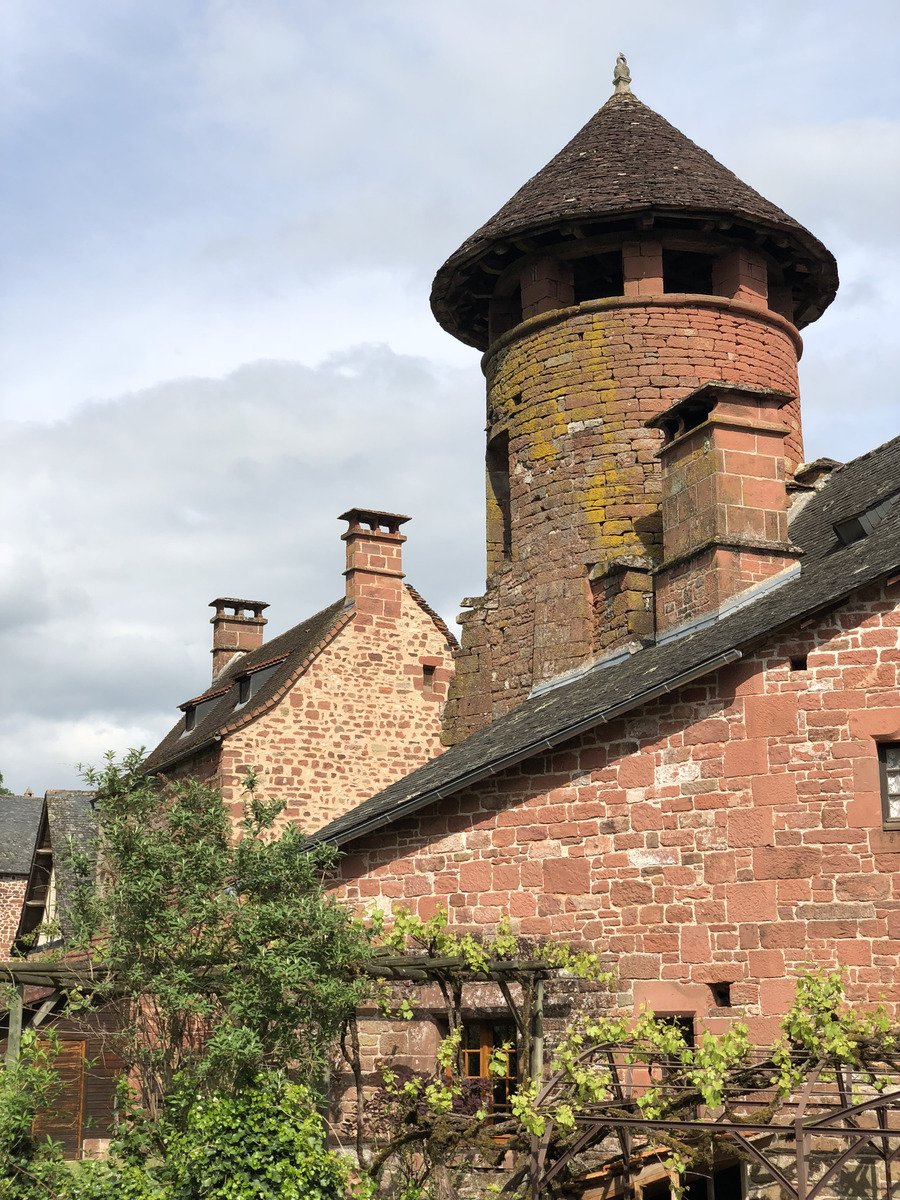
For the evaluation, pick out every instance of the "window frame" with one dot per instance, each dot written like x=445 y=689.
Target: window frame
x=488 y=1030
x=888 y=822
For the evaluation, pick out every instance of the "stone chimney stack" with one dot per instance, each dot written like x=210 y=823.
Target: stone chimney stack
x=724 y=499
x=374 y=561
x=236 y=631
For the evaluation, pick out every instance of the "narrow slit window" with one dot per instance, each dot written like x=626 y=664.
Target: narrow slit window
x=428 y=678
x=499 y=508
x=889 y=765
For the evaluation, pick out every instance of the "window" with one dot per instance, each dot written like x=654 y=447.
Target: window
x=480 y=1040
x=687 y=271
x=683 y=1022
x=499 y=511
x=597 y=276
x=856 y=528
x=428 y=678
x=725 y=1183
x=250 y=684
x=721 y=994
x=889 y=762
x=799 y=663
x=197 y=713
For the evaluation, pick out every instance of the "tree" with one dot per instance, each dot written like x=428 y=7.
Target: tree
x=225 y=950
x=4 y=791
x=231 y=972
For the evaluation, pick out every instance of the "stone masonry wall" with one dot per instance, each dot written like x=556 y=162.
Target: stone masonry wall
x=731 y=833
x=12 y=897
x=363 y=714
x=571 y=390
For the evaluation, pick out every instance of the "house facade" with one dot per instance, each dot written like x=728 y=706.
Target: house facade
x=674 y=730
x=330 y=711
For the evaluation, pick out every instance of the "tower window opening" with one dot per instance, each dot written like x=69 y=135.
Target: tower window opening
x=687 y=271
x=499 y=508
x=598 y=276
x=504 y=313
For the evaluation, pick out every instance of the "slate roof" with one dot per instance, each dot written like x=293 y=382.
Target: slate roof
x=627 y=159
x=72 y=824
x=292 y=651
x=830 y=571
x=20 y=826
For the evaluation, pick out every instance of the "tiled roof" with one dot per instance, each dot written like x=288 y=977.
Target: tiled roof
x=20 y=824
x=627 y=160
x=292 y=650
x=73 y=825
x=830 y=572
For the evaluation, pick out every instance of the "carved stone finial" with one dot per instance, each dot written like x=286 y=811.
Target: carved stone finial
x=621 y=75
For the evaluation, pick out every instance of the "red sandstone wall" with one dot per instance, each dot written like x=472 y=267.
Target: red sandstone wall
x=730 y=833
x=359 y=718
x=573 y=390
x=12 y=897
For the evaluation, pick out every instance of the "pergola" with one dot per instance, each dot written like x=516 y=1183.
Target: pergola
x=803 y=1141
x=820 y=1128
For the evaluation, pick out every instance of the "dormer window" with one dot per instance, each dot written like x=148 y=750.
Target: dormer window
x=860 y=526
x=250 y=684
x=196 y=714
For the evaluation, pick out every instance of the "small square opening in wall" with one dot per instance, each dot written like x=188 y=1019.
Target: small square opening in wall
x=799 y=663
x=721 y=994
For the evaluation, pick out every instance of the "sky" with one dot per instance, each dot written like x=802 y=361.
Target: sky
x=219 y=222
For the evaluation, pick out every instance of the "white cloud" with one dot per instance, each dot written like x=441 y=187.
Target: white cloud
x=130 y=516
x=189 y=188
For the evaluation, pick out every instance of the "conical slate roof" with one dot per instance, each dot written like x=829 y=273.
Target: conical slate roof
x=626 y=160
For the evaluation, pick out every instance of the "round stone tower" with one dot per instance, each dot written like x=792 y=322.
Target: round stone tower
x=631 y=270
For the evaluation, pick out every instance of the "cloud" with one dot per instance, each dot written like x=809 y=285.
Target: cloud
x=131 y=515
x=194 y=187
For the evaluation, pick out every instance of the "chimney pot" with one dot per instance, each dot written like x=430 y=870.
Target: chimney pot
x=237 y=629
x=374 y=560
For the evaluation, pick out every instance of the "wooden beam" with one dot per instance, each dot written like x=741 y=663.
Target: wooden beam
x=511 y=1005
x=537 y=1033
x=14 y=1043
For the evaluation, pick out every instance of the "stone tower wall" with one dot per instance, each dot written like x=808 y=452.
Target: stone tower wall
x=568 y=394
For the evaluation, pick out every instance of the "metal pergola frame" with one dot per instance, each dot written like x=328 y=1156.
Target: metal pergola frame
x=822 y=1107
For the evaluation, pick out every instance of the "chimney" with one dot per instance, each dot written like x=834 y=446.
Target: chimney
x=724 y=499
x=374 y=571
x=235 y=632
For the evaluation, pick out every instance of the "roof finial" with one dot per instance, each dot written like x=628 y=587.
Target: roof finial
x=621 y=75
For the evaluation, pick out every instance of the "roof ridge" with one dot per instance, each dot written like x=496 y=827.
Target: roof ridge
x=436 y=617
x=281 y=691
